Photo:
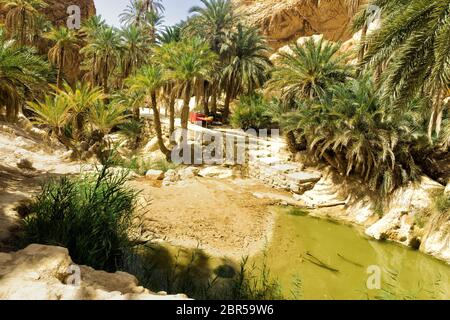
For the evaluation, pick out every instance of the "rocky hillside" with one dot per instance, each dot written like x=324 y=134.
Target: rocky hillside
x=48 y=273
x=56 y=11
x=287 y=20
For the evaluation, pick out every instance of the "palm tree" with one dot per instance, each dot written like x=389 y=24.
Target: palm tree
x=52 y=112
x=134 y=13
x=104 y=117
x=148 y=81
x=22 y=74
x=134 y=50
x=354 y=132
x=145 y=14
x=80 y=100
x=413 y=50
x=187 y=63
x=89 y=30
x=21 y=18
x=212 y=22
x=105 y=48
x=92 y=26
x=246 y=66
x=65 y=49
x=309 y=71
x=170 y=34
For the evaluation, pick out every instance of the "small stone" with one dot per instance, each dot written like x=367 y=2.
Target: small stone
x=154 y=174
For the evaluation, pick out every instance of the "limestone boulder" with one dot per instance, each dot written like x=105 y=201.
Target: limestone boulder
x=47 y=273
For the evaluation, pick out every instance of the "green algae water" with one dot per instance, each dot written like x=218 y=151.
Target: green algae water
x=314 y=258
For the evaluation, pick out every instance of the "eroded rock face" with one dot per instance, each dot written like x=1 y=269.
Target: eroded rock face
x=284 y=21
x=47 y=273
x=56 y=10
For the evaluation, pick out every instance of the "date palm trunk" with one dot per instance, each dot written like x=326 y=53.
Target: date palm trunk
x=158 y=129
x=185 y=110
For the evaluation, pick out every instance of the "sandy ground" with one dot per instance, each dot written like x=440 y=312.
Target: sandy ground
x=221 y=217
x=19 y=185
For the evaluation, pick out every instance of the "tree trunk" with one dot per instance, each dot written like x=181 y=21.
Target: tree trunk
x=159 y=134
x=60 y=68
x=291 y=142
x=206 y=104
x=136 y=113
x=171 y=115
x=226 y=107
x=185 y=110
x=214 y=103
x=105 y=77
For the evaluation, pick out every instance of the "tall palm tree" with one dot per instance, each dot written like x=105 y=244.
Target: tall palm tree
x=21 y=18
x=135 y=13
x=89 y=30
x=309 y=71
x=22 y=73
x=246 y=66
x=212 y=21
x=148 y=81
x=105 y=47
x=412 y=47
x=65 y=50
x=170 y=35
x=145 y=15
x=134 y=50
x=187 y=63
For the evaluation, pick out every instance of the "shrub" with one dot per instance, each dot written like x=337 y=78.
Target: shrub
x=251 y=113
x=91 y=216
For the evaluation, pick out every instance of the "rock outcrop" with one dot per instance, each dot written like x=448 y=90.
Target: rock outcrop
x=47 y=273
x=287 y=20
x=56 y=11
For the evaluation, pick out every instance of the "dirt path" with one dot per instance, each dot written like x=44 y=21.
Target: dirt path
x=220 y=216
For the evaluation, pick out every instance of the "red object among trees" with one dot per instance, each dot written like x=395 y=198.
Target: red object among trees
x=195 y=117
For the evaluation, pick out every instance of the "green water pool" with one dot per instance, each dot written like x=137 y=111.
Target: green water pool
x=319 y=259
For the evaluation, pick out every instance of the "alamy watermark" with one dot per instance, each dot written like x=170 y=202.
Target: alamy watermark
x=74 y=278
x=74 y=18
x=374 y=280
x=218 y=148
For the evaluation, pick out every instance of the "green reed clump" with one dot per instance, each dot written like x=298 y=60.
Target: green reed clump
x=90 y=215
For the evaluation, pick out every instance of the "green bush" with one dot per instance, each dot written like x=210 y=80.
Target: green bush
x=91 y=216
x=251 y=113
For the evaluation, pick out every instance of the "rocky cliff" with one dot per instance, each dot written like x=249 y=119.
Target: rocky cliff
x=56 y=10
x=284 y=21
